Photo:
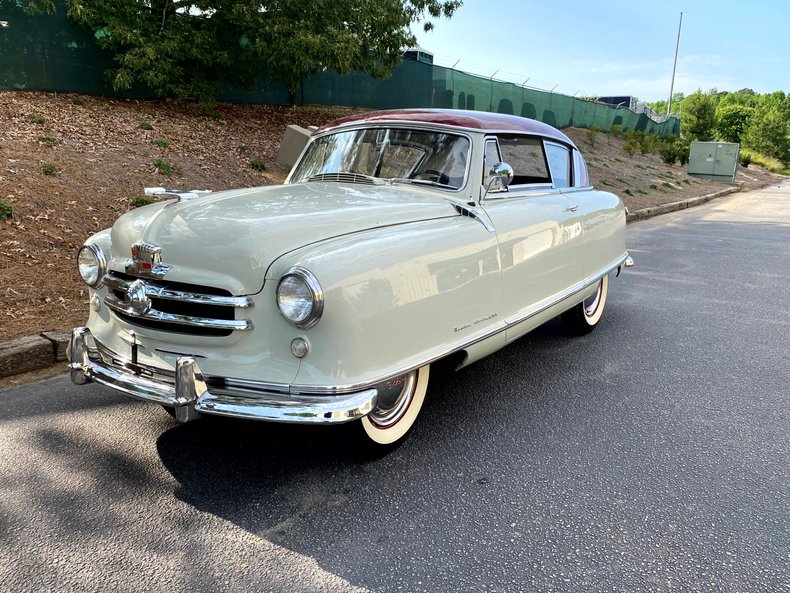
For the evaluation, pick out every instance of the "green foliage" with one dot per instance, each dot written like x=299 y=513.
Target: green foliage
x=762 y=160
x=50 y=169
x=36 y=118
x=143 y=200
x=258 y=165
x=616 y=130
x=6 y=210
x=745 y=158
x=592 y=132
x=184 y=49
x=668 y=154
x=731 y=121
x=162 y=143
x=769 y=130
x=631 y=146
x=628 y=192
x=144 y=125
x=166 y=168
x=698 y=118
x=48 y=139
x=77 y=101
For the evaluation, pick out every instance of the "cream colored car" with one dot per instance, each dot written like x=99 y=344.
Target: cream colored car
x=399 y=239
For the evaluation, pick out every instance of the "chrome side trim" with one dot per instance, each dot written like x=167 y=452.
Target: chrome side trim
x=473 y=338
x=115 y=304
x=191 y=396
x=160 y=292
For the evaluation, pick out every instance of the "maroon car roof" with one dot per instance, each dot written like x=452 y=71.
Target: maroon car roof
x=475 y=120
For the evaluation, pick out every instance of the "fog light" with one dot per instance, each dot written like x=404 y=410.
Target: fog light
x=299 y=347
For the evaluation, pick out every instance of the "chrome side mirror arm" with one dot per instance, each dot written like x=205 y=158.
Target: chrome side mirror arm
x=501 y=172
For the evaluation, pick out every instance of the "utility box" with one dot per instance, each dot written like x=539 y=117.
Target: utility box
x=714 y=160
x=294 y=141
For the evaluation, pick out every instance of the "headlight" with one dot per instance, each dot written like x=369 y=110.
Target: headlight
x=92 y=264
x=299 y=298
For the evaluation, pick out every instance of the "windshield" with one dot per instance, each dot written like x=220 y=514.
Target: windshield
x=388 y=153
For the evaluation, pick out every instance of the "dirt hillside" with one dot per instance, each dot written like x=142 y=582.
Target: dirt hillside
x=70 y=164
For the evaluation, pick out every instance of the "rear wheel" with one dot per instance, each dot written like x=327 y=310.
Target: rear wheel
x=583 y=318
x=399 y=403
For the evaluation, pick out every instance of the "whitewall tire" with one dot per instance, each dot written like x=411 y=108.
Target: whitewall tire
x=583 y=318
x=399 y=404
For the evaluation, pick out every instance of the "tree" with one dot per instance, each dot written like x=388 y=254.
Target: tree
x=731 y=121
x=185 y=48
x=769 y=133
x=698 y=117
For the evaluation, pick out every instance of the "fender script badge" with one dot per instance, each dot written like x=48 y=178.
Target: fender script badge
x=146 y=261
x=475 y=322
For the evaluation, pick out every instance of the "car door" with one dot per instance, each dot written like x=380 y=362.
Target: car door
x=538 y=230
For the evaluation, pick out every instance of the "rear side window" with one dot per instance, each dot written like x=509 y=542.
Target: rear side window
x=581 y=178
x=526 y=157
x=560 y=163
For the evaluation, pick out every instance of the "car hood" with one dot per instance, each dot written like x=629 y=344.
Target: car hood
x=229 y=239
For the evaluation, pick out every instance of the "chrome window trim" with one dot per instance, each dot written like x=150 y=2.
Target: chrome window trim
x=160 y=292
x=569 y=150
x=404 y=126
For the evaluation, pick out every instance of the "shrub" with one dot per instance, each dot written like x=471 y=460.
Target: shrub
x=164 y=167
x=50 y=169
x=615 y=130
x=6 y=210
x=138 y=201
x=668 y=154
x=631 y=146
x=161 y=143
x=762 y=160
x=592 y=133
x=144 y=125
x=77 y=101
x=647 y=143
x=258 y=165
x=628 y=191
x=36 y=118
x=48 y=139
x=745 y=159
x=683 y=154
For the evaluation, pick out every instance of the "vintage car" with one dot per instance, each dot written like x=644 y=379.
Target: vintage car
x=399 y=239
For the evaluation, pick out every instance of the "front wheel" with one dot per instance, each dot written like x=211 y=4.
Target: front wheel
x=583 y=318
x=399 y=403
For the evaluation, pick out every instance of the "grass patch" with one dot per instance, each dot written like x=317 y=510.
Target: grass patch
x=641 y=191
x=653 y=186
x=48 y=139
x=258 y=165
x=604 y=182
x=161 y=143
x=670 y=185
x=766 y=162
x=144 y=125
x=138 y=201
x=242 y=148
x=166 y=168
x=6 y=210
x=36 y=118
x=77 y=101
x=628 y=192
x=50 y=169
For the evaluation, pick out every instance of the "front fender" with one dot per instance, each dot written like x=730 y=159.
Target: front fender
x=397 y=297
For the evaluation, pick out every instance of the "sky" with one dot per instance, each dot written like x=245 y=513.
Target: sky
x=610 y=47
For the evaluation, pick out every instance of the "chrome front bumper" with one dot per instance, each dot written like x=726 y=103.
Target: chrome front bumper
x=187 y=391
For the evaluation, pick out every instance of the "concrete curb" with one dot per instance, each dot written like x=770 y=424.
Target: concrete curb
x=646 y=213
x=32 y=353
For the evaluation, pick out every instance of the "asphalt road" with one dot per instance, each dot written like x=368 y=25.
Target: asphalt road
x=651 y=455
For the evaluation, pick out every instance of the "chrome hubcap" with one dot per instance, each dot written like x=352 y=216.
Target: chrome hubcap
x=394 y=399
x=591 y=304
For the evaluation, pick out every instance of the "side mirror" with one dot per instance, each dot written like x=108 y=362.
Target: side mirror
x=500 y=174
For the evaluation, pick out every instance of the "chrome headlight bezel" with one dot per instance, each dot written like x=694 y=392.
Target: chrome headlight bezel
x=306 y=280
x=100 y=264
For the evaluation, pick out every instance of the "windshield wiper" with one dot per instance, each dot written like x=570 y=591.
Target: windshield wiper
x=421 y=182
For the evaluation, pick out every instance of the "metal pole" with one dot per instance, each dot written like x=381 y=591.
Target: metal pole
x=674 y=67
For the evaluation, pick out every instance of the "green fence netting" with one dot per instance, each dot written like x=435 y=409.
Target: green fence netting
x=48 y=52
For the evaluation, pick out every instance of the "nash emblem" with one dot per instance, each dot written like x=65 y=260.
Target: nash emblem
x=146 y=261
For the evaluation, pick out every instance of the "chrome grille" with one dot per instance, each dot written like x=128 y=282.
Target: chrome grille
x=177 y=307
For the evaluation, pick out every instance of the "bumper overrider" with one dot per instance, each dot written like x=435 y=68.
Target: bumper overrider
x=191 y=394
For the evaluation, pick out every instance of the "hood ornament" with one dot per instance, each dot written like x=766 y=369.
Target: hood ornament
x=146 y=261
